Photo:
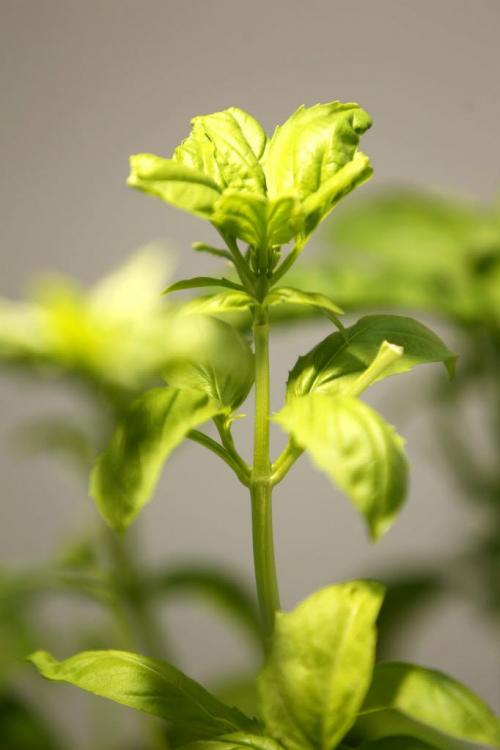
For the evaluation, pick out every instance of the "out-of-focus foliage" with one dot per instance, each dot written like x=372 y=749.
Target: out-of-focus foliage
x=318 y=689
x=417 y=249
x=105 y=346
x=111 y=335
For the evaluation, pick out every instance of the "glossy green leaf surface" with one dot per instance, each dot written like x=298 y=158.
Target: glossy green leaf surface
x=427 y=705
x=312 y=146
x=223 y=302
x=199 y=282
x=266 y=192
x=257 y=220
x=228 y=146
x=126 y=474
x=357 y=450
x=148 y=685
x=334 y=364
x=209 y=355
x=320 y=666
x=174 y=183
x=290 y=296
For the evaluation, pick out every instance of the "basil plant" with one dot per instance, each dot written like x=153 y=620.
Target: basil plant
x=319 y=687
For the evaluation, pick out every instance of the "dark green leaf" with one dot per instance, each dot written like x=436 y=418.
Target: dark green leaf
x=126 y=474
x=147 y=685
x=320 y=666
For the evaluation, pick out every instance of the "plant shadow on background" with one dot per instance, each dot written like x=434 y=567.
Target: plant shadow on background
x=320 y=685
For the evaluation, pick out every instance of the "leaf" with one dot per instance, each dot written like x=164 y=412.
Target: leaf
x=260 y=222
x=427 y=705
x=200 y=282
x=317 y=206
x=220 y=588
x=209 y=355
x=320 y=666
x=413 y=249
x=227 y=146
x=334 y=364
x=212 y=304
x=356 y=448
x=174 y=183
x=312 y=146
x=148 y=685
x=290 y=296
x=202 y=247
x=125 y=476
x=132 y=290
x=235 y=742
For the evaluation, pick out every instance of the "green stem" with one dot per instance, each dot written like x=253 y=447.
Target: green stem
x=231 y=459
x=260 y=481
x=284 y=463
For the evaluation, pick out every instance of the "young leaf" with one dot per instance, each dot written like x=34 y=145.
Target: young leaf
x=317 y=206
x=320 y=666
x=125 y=476
x=147 y=685
x=312 y=146
x=174 y=183
x=212 y=304
x=199 y=282
x=209 y=355
x=337 y=361
x=289 y=296
x=357 y=450
x=236 y=741
x=258 y=221
x=427 y=705
x=263 y=192
x=226 y=145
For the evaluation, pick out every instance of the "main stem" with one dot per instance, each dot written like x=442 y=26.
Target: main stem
x=260 y=481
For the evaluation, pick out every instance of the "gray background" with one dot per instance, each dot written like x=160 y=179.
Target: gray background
x=85 y=84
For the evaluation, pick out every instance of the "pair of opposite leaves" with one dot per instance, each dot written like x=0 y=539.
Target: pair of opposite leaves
x=264 y=191
x=212 y=374
x=319 y=689
x=312 y=160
